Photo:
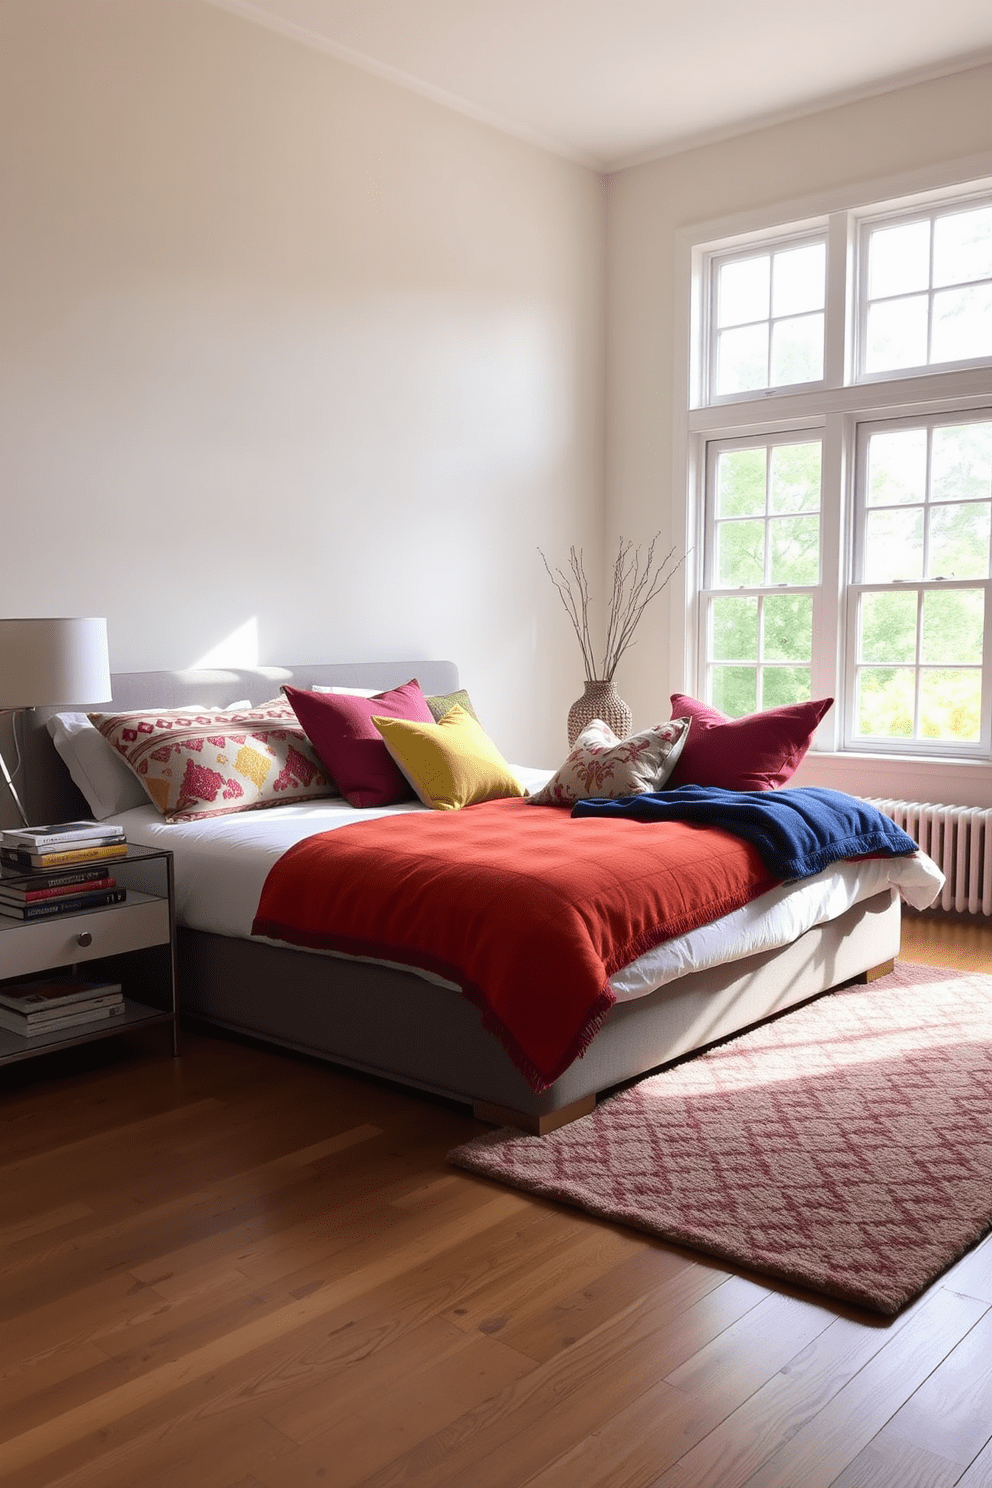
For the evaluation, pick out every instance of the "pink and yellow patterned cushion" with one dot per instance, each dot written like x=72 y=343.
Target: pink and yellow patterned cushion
x=602 y=766
x=196 y=762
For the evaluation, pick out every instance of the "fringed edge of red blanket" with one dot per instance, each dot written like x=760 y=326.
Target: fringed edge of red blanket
x=538 y=1081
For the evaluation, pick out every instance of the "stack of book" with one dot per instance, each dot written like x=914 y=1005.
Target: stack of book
x=35 y=1008
x=59 y=869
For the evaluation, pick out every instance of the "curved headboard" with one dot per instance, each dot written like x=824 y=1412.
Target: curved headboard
x=44 y=784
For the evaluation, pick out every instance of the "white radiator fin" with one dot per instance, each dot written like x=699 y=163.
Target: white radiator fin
x=959 y=839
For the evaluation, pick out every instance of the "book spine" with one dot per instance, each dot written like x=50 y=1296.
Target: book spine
x=64 y=906
x=16 y=1024
x=53 y=859
x=33 y=896
x=61 y=878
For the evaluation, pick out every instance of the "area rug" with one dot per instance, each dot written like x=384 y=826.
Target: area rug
x=845 y=1146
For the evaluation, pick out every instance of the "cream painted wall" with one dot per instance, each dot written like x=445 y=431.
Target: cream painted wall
x=914 y=132
x=294 y=364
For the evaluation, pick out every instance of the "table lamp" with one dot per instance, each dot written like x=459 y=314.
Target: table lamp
x=50 y=663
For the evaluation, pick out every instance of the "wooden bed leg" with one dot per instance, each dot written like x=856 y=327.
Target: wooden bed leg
x=874 y=972
x=538 y=1125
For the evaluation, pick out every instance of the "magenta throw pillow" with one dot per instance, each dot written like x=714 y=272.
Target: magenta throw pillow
x=757 y=752
x=340 y=728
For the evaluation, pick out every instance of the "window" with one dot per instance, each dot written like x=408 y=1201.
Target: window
x=768 y=318
x=843 y=435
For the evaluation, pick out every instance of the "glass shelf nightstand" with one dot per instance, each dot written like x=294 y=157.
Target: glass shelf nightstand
x=132 y=943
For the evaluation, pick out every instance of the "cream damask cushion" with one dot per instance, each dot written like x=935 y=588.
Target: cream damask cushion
x=194 y=763
x=602 y=766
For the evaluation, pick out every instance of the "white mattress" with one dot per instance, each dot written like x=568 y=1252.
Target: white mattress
x=222 y=862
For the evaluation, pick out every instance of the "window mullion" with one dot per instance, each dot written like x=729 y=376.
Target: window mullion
x=837 y=369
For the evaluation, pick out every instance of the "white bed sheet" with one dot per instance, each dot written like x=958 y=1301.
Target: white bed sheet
x=222 y=862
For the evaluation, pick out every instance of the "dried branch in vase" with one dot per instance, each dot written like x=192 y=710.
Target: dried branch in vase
x=638 y=577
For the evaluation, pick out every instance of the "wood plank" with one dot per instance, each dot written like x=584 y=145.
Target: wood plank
x=768 y=1420
x=81 y=1420
x=884 y=1464
x=585 y=1308
x=827 y=1444
x=656 y=1429
x=382 y=1410
x=979 y=1474
x=525 y=1427
x=950 y=1415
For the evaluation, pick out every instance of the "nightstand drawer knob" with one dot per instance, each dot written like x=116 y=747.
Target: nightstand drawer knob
x=84 y=938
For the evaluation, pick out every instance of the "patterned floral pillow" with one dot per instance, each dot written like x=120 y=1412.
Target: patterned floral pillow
x=601 y=765
x=195 y=763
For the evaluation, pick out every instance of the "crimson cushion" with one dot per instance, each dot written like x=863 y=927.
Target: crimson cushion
x=340 y=728
x=757 y=752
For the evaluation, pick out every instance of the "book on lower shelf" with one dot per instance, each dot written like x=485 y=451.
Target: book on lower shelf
x=43 y=909
x=82 y=881
x=33 y=1008
x=28 y=1028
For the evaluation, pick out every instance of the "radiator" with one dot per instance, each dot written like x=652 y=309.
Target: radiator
x=959 y=839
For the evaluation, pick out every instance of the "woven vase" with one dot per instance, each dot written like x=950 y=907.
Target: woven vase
x=599 y=700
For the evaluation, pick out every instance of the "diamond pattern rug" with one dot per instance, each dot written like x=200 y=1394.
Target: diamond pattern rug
x=845 y=1146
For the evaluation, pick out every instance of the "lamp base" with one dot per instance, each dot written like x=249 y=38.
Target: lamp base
x=9 y=781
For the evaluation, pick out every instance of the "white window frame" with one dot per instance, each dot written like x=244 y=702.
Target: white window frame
x=858 y=585
x=868 y=222
x=838 y=405
x=738 y=253
x=709 y=590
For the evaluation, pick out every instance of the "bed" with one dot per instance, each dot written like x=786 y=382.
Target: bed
x=392 y=1022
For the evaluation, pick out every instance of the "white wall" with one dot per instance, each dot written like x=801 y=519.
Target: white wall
x=294 y=365
x=919 y=131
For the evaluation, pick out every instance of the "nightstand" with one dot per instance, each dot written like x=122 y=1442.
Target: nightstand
x=133 y=943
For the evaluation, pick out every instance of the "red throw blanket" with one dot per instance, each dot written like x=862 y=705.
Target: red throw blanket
x=528 y=909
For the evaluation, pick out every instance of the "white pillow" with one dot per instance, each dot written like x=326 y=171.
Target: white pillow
x=105 y=779
x=347 y=691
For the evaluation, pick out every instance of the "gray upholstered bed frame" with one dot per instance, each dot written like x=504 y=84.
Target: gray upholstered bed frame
x=393 y=1023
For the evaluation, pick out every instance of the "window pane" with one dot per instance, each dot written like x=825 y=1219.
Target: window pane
x=734 y=690
x=884 y=704
x=961 y=462
x=798 y=279
x=899 y=259
x=795 y=477
x=962 y=323
x=742 y=291
x=740 y=554
x=888 y=626
x=962 y=247
x=742 y=359
x=952 y=626
x=740 y=483
x=735 y=629
x=959 y=541
x=788 y=627
x=797 y=350
x=781 y=686
x=897 y=334
x=897 y=467
x=951 y=705
x=893 y=546
x=795 y=543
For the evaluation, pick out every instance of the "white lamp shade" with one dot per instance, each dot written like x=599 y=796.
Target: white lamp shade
x=53 y=663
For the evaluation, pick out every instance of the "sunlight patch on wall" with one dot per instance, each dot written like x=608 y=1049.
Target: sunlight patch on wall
x=239 y=649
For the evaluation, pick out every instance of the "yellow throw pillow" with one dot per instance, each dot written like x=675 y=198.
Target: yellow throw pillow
x=451 y=763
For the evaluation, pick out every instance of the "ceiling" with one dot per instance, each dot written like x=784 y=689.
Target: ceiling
x=611 y=82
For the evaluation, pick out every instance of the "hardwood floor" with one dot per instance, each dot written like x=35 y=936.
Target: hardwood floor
x=244 y=1270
